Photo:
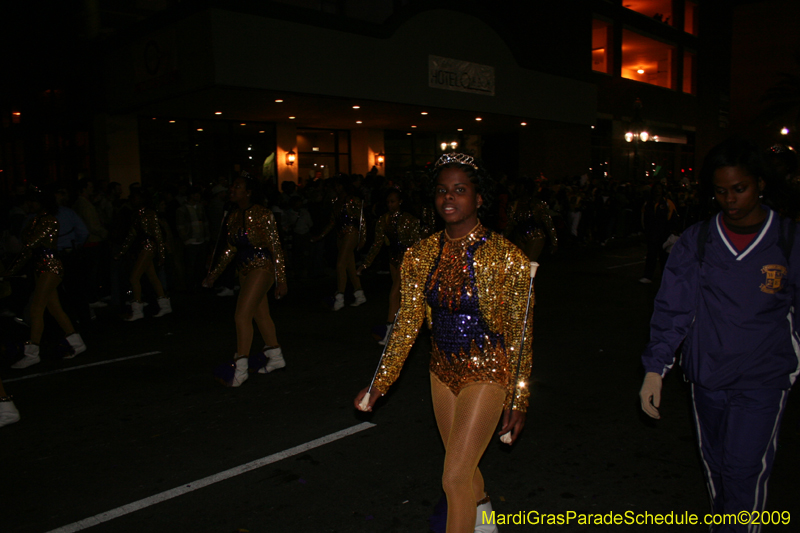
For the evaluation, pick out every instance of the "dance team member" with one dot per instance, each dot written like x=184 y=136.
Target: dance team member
x=729 y=296
x=471 y=284
x=252 y=240
x=530 y=224
x=402 y=230
x=147 y=239
x=347 y=217
x=41 y=238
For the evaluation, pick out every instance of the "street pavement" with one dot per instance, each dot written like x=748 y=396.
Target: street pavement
x=123 y=446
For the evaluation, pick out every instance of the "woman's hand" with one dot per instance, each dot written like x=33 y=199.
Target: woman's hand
x=373 y=397
x=513 y=422
x=650 y=394
x=209 y=282
x=280 y=290
x=359 y=270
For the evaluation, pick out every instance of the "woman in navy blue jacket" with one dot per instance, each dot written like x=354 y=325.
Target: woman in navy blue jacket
x=729 y=295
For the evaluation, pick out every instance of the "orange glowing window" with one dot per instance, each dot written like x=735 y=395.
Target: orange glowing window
x=690 y=18
x=660 y=10
x=689 y=60
x=647 y=60
x=601 y=46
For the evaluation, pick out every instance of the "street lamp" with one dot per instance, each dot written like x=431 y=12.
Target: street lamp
x=636 y=133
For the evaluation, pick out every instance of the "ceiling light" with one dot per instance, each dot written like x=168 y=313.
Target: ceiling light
x=358 y=122
x=199 y=129
x=460 y=129
x=292 y=118
x=478 y=119
x=424 y=113
x=217 y=112
x=356 y=107
x=279 y=101
x=523 y=123
x=262 y=131
x=413 y=126
x=640 y=71
x=172 y=122
x=409 y=133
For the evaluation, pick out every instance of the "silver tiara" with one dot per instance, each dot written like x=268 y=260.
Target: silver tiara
x=453 y=157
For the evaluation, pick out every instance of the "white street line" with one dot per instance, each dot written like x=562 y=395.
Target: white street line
x=210 y=480
x=70 y=369
x=625 y=265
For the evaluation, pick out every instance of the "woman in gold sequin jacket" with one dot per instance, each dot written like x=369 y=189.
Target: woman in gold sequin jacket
x=147 y=240
x=252 y=241
x=471 y=284
x=530 y=224
x=40 y=238
x=401 y=230
x=347 y=218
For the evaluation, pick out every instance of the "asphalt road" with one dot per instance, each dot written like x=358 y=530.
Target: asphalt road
x=124 y=445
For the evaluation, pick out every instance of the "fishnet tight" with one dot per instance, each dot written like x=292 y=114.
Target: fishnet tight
x=466 y=423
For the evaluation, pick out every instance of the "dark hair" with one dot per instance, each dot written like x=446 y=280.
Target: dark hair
x=257 y=194
x=745 y=154
x=484 y=185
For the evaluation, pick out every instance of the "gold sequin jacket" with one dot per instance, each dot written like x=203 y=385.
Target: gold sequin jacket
x=531 y=220
x=41 y=243
x=473 y=292
x=400 y=229
x=145 y=234
x=347 y=218
x=253 y=242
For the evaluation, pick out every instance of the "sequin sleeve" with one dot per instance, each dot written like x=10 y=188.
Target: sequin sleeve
x=416 y=264
x=380 y=235
x=42 y=233
x=229 y=252
x=332 y=222
x=275 y=247
x=152 y=228
x=515 y=296
x=128 y=242
x=547 y=221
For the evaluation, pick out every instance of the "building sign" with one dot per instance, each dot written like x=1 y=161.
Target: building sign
x=463 y=76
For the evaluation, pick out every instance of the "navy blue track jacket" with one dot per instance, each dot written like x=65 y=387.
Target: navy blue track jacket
x=736 y=313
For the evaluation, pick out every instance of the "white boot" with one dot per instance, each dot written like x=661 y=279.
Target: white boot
x=31 y=357
x=360 y=298
x=164 y=307
x=338 y=301
x=484 y=509
x=274 y=360
x=77 y=344
x=240 y=374
x=8 y=412
x=136 y=312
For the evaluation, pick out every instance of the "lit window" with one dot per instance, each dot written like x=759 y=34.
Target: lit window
x=689 y=60
x=647 y=60
x=660 y=10
x=601 y=46
x=690 y=18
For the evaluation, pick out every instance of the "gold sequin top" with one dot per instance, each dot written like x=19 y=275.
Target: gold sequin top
x=530 y=219
x=402 y=232
x=146 y=234
x=40 y=238
x=473 y=292
x=347 y=217
x=253 y=241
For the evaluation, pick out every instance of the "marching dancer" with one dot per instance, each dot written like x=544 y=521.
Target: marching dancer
x=253 y=242
x=471 y=284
